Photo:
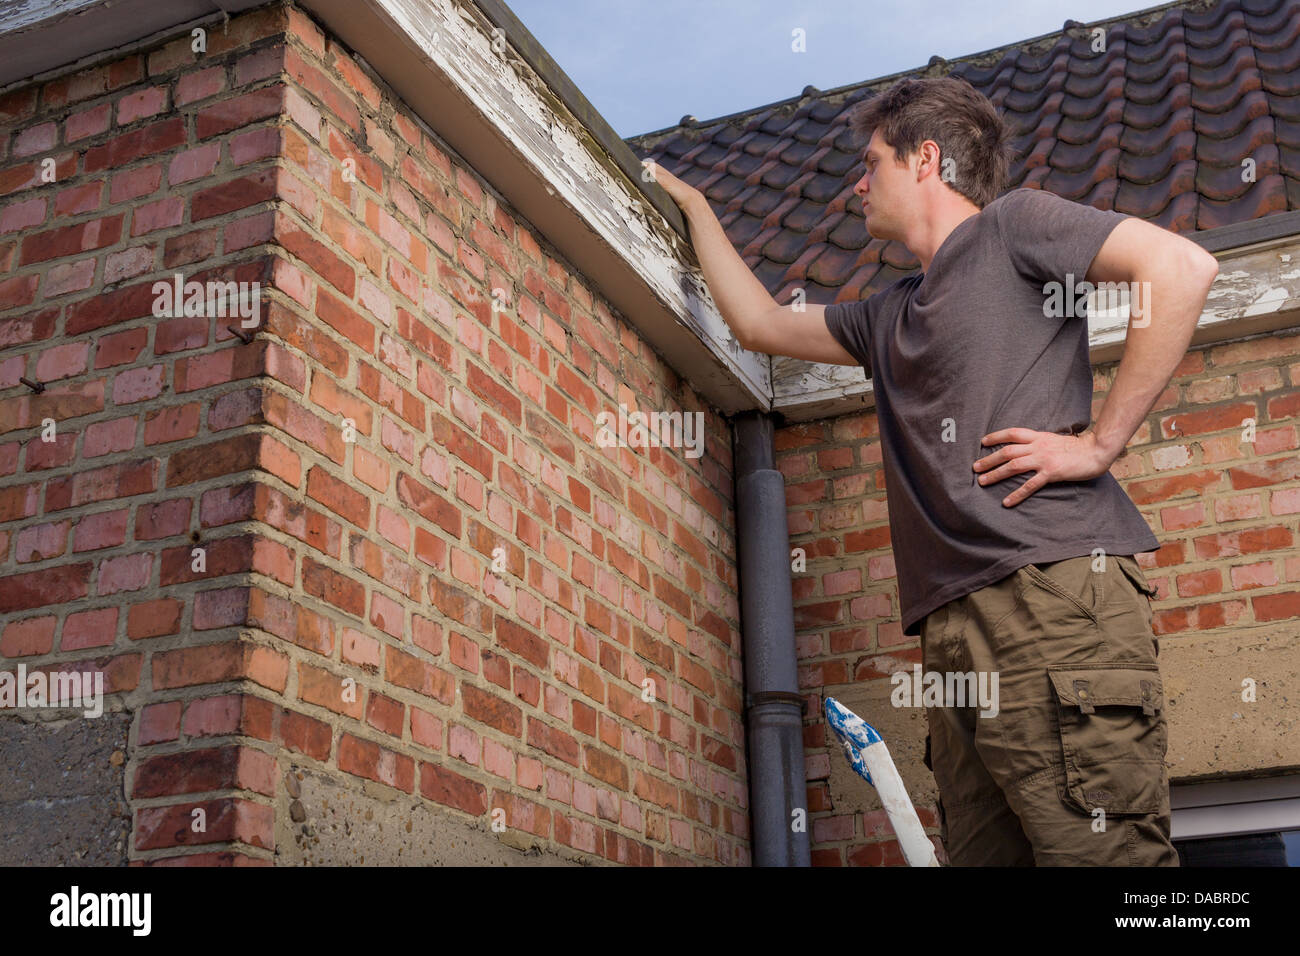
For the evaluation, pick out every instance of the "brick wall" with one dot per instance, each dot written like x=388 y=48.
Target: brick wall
x=424 y=580
x=1224 y=510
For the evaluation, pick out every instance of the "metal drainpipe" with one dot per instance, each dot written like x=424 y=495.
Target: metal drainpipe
x=773 y=706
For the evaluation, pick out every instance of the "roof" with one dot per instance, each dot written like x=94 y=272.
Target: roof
x=1157 y=126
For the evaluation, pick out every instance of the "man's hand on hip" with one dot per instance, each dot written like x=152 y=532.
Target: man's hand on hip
x=1051 y=456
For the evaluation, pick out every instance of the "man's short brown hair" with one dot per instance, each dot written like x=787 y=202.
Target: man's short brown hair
x=957 y=117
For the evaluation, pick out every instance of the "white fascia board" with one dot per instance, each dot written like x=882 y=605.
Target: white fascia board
x=472 y=88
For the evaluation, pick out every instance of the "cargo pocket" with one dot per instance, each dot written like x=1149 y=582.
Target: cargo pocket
x=1040 y=577
x=1145 y=592
x=1113 y=735
x=1133 y=572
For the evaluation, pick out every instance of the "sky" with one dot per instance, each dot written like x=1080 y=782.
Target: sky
x=645 y=65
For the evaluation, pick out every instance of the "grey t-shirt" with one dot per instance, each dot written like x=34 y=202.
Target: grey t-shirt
x=966 y=349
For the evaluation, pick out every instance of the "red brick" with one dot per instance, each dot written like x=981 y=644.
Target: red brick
x=314 y=81
x=104 y=529
x=225 y=115
x=141 y=104
x=385 y=714
x=28 y=637
x=160 y=723
x=1276 y=607
x=135 y=183
x=198 y=771
x=120 y=347
x=212 y=716
x=110 y=308
x=430 y=506
x=42 y=541
x=383 y=392
x=339 y=497
x=314 y=253
x=191 y=86
x=18 y=291
x=1257 y=474
x=256 y=144
x=235 y=409
x=365 y=759
x=523 y=642
x=451 y=789
x=218 y=663
x=220 y=607
x=495 y=394
x=24 y=215
x=487 y=708
x=306 y=735
x=82 y=629
x=105 y=437
x=229 y=819
x=154 y=618
x=607 y=767
x=70 y=240
x=35 y=139
x=190 y=247
x=426 y=729
x=221 y=367
x=463 y=445
x=18 y=104
x=172 y=424
x=79 y=199
x=214 y=459
x=320 y=687
x=146 y=141
x=235 y=194
x=1246 y=541
x=554 y=742
x=329 y=585
x=345 y=320
x=58 y=585
x=290 y=621
x=163 y=214
x=404 y=670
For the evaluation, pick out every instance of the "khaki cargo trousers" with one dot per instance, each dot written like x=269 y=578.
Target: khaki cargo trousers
x=1070 y=771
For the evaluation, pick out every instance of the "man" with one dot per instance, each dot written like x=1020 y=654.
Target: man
x=1013 y=543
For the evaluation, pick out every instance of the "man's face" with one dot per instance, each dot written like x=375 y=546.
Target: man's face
x=883 y=189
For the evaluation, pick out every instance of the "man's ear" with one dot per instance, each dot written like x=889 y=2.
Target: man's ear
x=928 y=157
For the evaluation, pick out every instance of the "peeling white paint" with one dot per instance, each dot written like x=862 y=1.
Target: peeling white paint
x=513 y=100
x=1271 y=301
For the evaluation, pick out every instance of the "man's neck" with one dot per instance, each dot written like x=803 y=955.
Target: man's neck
x=934 y=231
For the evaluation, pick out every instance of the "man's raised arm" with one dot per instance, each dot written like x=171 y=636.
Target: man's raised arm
x=1173 y=276
x=755 y=318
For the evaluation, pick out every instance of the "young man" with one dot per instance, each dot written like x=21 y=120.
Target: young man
x=1012 y=541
